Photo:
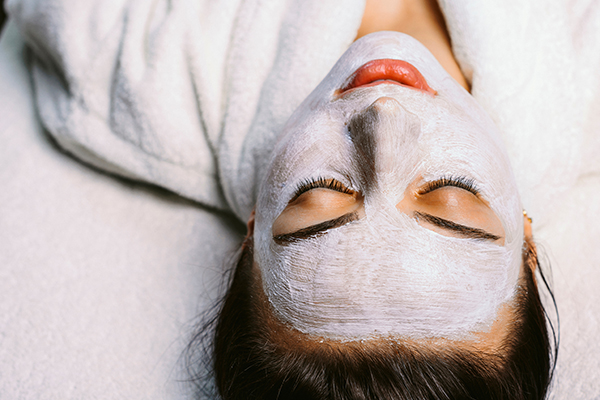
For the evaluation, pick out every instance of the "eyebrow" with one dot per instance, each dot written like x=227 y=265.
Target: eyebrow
x=360 y=129
x=314 y=230
x=466 y=231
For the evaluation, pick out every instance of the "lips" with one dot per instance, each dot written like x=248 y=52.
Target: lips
x=398 y=72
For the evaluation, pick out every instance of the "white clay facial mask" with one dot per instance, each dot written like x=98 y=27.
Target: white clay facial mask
x=368 y=268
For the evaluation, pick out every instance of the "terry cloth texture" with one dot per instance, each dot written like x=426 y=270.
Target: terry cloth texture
x=166 y=92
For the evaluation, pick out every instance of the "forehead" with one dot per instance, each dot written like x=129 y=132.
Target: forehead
x=385 y=273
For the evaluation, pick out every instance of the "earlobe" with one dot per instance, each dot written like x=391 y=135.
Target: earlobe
x=529 y=243
x=527 y=230
x=249 y=233
x=250 y=226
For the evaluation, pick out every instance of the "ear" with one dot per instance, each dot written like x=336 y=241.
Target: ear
x=250 y=225
x=527 y=230
x=249 y=233
x=531 y=249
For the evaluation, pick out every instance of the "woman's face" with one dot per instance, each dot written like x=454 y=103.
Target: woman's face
x=388 y=210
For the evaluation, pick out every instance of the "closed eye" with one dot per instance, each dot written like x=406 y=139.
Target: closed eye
x=462 y=230
x=453 y=205
x=314 y=230
x=318 y=205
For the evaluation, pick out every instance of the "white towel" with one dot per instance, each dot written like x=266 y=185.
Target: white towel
x=533 y=66
x=166 y=92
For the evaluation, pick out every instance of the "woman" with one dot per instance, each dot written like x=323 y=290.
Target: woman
x=388 y=256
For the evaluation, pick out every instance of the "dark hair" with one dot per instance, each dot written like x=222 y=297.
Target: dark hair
x=257 y=357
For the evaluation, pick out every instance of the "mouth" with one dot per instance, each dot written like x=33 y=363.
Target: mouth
x=387 y=71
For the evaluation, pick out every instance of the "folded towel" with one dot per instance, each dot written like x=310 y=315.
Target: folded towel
x=166 y=92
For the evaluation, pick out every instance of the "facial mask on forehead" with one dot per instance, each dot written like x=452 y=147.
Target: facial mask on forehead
x=384 y=274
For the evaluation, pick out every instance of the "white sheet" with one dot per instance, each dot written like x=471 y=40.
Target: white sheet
x=101 y=280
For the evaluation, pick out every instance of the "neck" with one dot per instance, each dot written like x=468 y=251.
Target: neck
x=421 y=19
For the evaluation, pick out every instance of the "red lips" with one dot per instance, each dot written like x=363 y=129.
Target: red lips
x=391 y=71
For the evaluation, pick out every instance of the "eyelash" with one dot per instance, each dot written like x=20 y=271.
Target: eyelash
x=331 y=184
x=456 y=181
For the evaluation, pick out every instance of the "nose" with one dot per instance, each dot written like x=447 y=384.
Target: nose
x=385 y=137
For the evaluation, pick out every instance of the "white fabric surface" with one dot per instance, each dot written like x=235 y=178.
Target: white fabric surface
x=100 y=280
x=534 y=67
x=100 y=277
x=166 y=92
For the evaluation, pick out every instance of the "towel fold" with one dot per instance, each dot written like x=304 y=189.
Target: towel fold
x=179 y=94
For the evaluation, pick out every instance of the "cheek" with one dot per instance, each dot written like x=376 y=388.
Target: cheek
x=387 y=276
